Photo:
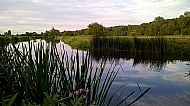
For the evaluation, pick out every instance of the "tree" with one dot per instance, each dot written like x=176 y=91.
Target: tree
x=9 y=32
x=131 y=29
x=159 y=18
x=186 y=31
x=184 y=22
x=156 y=25
x=119 y=30
x=53 y=32
x=96 y=29
x=187 y=14
x=5 y=34
x=170 y=29
x=68 y=33
x=31 y=34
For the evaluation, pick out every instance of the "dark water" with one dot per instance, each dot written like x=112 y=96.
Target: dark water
x=160 y=64
x=165 y=73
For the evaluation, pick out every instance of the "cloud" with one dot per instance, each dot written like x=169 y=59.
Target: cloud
x=77 y=14
x=181 y=98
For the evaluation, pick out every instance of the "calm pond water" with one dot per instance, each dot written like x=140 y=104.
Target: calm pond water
x=166 y=77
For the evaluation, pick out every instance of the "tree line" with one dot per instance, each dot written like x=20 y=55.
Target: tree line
x=158 y=27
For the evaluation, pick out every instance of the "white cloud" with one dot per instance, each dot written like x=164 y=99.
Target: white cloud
x=76 y=14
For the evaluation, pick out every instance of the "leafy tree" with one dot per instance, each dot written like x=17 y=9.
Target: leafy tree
x=156 y=25
x=5 y=34
x=9 y=32
x=141 y=29
x=131 y=30
x=149 y=31
x=31 y=34
x=119 y=30
x=96 y=29
x=186 y=31
x=187 y=14
x=53 y=32
x=68 y=33
x=86 y=32
x=159 y=19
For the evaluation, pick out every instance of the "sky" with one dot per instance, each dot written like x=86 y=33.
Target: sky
x=22 y=16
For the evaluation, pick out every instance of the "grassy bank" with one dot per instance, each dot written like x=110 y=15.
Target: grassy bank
x=77 y=42
x=83 y=42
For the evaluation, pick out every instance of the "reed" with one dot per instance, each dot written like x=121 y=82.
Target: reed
x=156 y=51
x=45 y=74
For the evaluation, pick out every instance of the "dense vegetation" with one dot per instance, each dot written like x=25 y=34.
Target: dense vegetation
x=41 y=74
x=153 y=51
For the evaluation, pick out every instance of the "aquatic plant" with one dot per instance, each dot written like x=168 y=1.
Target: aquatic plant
x=46 y=74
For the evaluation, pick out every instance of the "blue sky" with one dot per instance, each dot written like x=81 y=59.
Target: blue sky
x=40 y=15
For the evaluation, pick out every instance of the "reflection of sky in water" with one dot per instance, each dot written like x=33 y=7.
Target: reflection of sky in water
x=169 y=86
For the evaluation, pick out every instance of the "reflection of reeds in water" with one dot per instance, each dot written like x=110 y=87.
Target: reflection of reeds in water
x=44 y=74
x=155 y=51
x=151 y=45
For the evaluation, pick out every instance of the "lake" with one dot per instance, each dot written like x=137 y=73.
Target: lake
x=151 y=63
x=166 y=74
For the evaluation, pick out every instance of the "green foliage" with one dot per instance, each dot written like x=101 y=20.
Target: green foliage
x=158 y=27
x=156 y=51
x=8 y=101
x=187 y=14
x=96 y=29
x=8 y=33
x=52 y=32
x=68 y=33
x=78 y=42
x=186 y=31
x=30 y=34
x=118 y=31
x=42 y=75
x=177 y=32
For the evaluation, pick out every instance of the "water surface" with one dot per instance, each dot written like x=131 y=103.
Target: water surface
x=167 y=77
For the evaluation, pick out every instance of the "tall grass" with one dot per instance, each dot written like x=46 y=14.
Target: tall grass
x=110 y=43
x=45 y=74
x=16 y=39
x=151 y=45
x=77 y=42
x=155 y=51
